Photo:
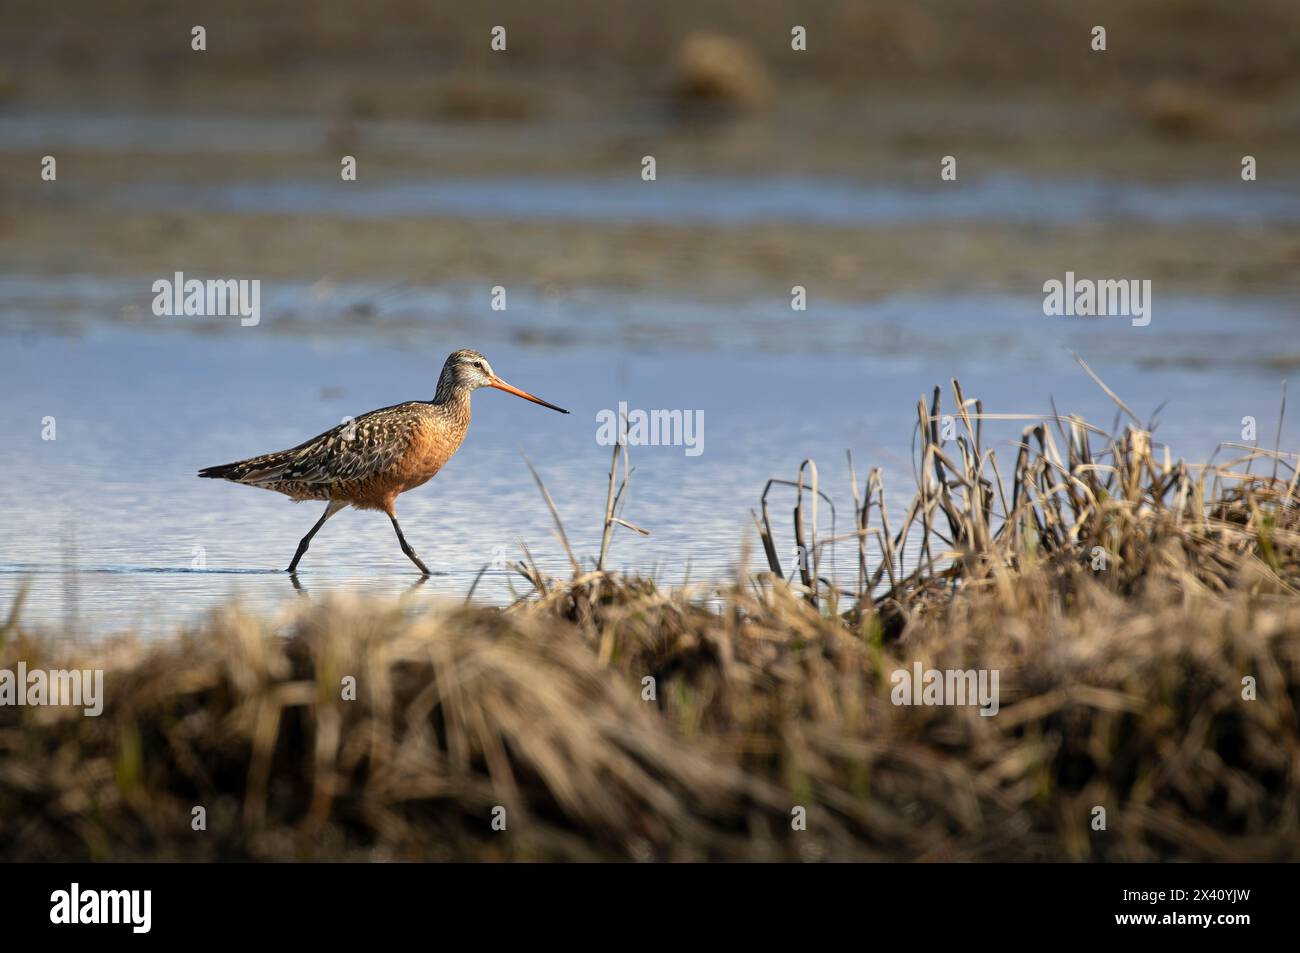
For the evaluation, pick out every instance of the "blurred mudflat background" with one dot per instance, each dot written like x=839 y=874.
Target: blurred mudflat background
x=509 y=166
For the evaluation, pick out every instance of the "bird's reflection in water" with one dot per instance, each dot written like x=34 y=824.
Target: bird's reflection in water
x=411 y=589
x=406 y=594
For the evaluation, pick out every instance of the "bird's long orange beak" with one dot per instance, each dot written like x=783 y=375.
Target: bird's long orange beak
x=499 y=384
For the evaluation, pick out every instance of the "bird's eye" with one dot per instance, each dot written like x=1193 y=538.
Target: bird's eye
x=479 y=365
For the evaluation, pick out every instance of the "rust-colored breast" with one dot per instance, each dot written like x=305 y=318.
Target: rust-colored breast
x=434 y=439
x=433 y=443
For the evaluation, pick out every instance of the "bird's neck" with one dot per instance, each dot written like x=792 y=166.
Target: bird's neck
x=454 y=399
x=449 y=392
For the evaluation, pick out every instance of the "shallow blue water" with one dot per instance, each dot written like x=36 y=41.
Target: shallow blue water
x=107 y=524
x=737 y=200
x=676 y=196
x=1241 y=335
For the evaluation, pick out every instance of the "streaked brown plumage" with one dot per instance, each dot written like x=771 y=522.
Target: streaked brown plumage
x=368 y=462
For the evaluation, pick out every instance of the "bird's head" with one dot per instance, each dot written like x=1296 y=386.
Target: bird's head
x=468 y=370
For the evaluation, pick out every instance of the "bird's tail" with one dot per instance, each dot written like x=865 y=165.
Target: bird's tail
x=224 y=471
x=263 y=469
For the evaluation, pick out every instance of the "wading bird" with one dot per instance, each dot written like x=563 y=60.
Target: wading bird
x=367 y=462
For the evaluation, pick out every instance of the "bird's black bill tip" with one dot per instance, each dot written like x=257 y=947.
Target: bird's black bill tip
x=499 y=384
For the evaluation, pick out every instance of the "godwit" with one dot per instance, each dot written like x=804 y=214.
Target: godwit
x=367 y=462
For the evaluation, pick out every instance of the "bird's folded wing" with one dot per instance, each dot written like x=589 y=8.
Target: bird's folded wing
x=351 y=451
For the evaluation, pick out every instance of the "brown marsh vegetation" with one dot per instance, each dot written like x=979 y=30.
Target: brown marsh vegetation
x=1122 y=594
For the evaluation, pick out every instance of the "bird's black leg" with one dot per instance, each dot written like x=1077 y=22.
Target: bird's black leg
x=406 y=547
x=330 y=510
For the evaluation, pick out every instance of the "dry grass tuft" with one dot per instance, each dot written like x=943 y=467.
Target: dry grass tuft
x=1182 y=111
x=719 y=73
